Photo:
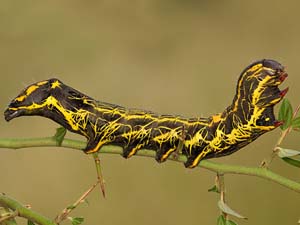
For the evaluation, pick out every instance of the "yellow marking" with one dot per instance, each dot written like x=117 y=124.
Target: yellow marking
x=254 y=67
x=135 y=149
x=92 y=150
x=31 y=89
x=196 y=140
x=55 y=84
x=28 y=91
x=127 y=115
x=21 y=98
x=166 y=155
x=216 y=118
x=42 y=82
x=199 y=157
x=255 y=70
x=76 y=120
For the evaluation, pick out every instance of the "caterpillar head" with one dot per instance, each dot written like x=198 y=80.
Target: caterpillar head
x=34 y=99
x=49 y=98
x=52 y=99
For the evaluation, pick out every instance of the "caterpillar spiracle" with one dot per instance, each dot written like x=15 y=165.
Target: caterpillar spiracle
x=249 y=116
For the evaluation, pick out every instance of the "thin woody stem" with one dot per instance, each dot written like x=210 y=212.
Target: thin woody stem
x=111 y=149
x=64 y=214
x=23 y=211
x=18 y=143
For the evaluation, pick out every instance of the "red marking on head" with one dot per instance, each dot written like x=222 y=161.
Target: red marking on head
x=278 y=123
x=283 y=92
x=283 y=76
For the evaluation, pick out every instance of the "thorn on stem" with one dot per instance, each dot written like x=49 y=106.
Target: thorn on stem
x=99 y=173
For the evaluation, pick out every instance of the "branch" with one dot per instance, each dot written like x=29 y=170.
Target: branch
x=23 y=211
x=16 y=143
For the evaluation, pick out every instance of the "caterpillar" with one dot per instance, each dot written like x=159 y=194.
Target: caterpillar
x=250 y=115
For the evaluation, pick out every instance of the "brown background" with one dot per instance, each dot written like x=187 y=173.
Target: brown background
x=179 y=57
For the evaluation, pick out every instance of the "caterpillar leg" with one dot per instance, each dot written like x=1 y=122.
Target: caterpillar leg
x=131 y=150
x=194 y=159
x=166 y=151
x=93 y=145
x=162 y=155
x=168 y=141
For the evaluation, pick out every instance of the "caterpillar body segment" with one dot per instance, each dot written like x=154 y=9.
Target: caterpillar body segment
x=249 y=116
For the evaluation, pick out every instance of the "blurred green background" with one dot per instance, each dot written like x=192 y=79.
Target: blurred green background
x=173 y=57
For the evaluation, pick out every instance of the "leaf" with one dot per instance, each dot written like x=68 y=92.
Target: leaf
x=285 y=113
x=214 y=189
x=291 y=161
x=29 y=222
x=226 y=209
x=283 y=152
x=76 y=220
x=71 y=207
x=230 y=222
x=221 y=220
x=296 y=122
x=60 y=135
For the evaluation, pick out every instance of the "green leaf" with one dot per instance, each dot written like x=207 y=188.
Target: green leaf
x=284 y=152
x=291 y=161
x=285 y=113
x=70 y=207
x=296 y=122
x=226 y=209
x=29 y=222
x=230 y=222
x=214 y=189
x=60 y=135
x=221 y=220
x=76 y=220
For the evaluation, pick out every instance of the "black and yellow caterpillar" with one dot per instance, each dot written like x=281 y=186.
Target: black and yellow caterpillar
x=249 y=116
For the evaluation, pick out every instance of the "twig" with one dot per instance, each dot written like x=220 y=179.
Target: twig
x=66 y=211
x=7 y=217
x=111 y=149
x=23 y=211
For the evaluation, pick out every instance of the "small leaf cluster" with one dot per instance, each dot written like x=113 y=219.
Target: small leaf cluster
x=225 y=209
x=290 y=121
x=222 y=221
x=76 y=220
x=285 y=115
